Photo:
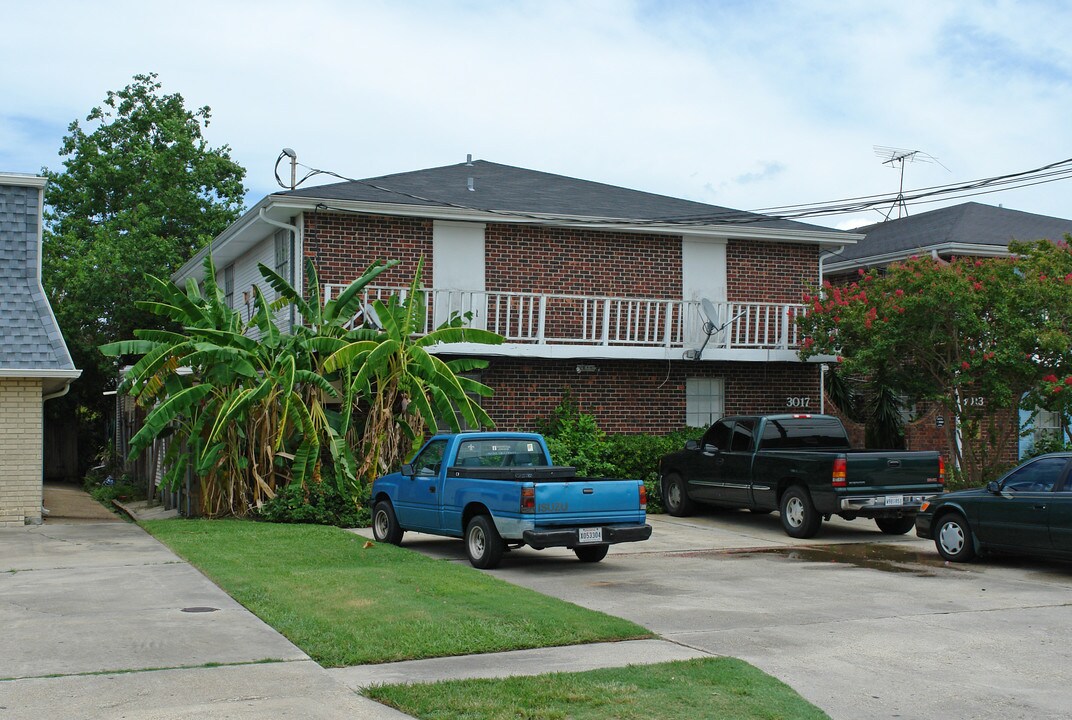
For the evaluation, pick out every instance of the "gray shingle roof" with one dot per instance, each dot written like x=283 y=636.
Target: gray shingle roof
x=966 y=224
x=503 y=188
x=29 y=336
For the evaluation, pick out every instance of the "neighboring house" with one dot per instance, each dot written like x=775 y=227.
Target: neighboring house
x=968 y=229
x=34 y=362
x=597 y=289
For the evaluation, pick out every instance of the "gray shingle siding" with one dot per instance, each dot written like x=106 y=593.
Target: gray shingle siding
x=29 y=336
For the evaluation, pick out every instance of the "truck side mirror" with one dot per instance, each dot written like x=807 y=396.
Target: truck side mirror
x=993 y=488
x=692 y=444
x=407 y=469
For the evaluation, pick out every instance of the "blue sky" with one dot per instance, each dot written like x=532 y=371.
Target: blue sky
x=740 y=104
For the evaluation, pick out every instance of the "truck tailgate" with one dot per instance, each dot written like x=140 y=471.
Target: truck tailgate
x=886 y=470
x=588 y=500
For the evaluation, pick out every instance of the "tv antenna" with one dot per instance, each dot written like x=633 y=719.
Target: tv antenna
x=897 y=157
x=712 y=326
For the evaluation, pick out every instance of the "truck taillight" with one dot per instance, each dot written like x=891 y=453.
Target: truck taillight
x=941 y=470
x=837 y=477
x=528 y=499
x=643 y=497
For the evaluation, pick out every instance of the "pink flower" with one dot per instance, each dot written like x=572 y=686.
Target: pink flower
x=898 y=292
x=860 y=272
x=1050 y=379
x=840 y=359
x=965 y=366
x=978 y=286
x=1068 y=380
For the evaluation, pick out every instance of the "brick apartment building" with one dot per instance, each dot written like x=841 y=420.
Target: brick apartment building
x=34 y=362
x=597 y=289
x=966 y=230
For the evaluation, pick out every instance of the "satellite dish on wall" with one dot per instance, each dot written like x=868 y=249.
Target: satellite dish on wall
x=370 y=317
x=713 y=326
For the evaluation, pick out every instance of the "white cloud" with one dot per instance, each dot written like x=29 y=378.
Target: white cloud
x=745 y=105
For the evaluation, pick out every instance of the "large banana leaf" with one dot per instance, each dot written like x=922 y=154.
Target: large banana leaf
x=171 y=409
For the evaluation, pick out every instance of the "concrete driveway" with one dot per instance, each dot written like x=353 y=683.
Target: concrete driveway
x=861 y=624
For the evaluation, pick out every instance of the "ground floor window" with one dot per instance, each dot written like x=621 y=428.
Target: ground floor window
x=705 y=401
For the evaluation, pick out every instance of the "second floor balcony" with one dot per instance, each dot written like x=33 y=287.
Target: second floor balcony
x=552 y=325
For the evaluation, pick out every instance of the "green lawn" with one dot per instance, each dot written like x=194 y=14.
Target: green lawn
x=347 y=604
x=714 y=688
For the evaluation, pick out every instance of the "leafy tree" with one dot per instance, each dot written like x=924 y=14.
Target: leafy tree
x=141 y=191
x=955 y=332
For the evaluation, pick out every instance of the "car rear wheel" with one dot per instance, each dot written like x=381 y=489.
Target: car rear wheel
x=896 y=525
x=675 y=498
x=591 y=553
x=385 y=527
x=799 y=518
x=953 y=538
x=483 y=544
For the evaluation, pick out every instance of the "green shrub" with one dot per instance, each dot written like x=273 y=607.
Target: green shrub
x=574 y=438
x=318 y=504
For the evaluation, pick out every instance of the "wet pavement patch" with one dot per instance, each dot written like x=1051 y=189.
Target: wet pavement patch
x=872 y=556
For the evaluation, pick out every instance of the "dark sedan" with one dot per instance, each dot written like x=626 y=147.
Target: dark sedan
x=1028 y=511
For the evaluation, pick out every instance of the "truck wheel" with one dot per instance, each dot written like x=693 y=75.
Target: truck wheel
x=385 y=527
x=483 y=544
x=953 y=538
x=675 y=499
x=591 y=553
x=799 y=518
x=896 y=525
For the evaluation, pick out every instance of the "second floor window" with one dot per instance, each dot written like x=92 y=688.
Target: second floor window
x=228 y=286
x=282 y=254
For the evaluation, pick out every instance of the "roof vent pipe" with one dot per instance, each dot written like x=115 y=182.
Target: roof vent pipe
x=470 y=185
x=469 y=160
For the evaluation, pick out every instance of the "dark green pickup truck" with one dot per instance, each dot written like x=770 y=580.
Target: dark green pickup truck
x=802 y=466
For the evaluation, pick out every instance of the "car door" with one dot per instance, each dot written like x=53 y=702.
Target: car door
x=722 y=464
x=418 y=499
x=1018 y=516
x=1060 y=515
x=702 y=470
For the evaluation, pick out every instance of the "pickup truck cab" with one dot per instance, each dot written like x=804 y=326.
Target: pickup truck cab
x=500 y=491
x=802 y=466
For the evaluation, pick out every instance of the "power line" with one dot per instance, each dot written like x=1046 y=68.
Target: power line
x=1052 y=172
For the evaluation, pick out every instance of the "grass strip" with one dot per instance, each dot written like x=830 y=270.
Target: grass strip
x=684 y=690
x=346 y=601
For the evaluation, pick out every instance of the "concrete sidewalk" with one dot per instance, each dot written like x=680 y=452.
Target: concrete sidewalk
x=100 y=620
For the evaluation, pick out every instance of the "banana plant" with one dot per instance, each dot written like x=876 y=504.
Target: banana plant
x=405 y=387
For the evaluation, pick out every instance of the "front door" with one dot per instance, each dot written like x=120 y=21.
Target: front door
x=458 y=272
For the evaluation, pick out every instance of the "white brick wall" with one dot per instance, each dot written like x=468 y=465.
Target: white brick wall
x=20 y=451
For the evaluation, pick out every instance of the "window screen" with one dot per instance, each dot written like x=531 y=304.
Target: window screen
x=705 y=401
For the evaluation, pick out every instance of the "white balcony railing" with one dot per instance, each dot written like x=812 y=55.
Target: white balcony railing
x=554 y=319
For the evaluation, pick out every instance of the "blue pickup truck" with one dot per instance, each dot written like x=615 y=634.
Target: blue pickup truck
x=500 y=491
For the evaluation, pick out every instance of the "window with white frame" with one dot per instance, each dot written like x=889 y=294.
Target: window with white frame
x=282 y=255
x=705 y=401
x=228 y=285
x=1048 y=425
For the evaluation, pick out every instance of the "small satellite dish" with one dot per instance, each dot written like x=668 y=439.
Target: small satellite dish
x=713 y=326
x=370 y=317
x=711 y=312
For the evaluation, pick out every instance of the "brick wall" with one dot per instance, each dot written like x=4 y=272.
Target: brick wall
x=636 y=396
x=527 y=258
x=20 y=461
x=770 y=272
x=343 y=245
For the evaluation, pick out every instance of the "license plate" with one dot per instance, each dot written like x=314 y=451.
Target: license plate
x=590 y=535
x=894 y=500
